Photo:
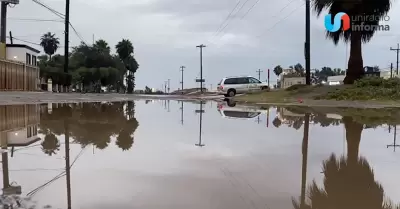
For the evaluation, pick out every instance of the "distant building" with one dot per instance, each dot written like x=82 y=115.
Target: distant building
x=388 y=74
x=22 y=53
x=19 y=71
x=287 y=82
x=371 y=71
x=335 y=80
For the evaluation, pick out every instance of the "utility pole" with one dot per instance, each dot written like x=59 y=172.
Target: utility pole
x=165 y=87
x=259 y=74
x=307 y=44
x=168 y=85
x=66 y=52
x=93 y=39
x=3 y=22
x=394 y=145
x=201 y=111
x=181 y=108
x=182 y=68
x=397 y=62
x=391 y=72
x=67 y=162
x=201 y=46
x=11 y=38
x=3 y=30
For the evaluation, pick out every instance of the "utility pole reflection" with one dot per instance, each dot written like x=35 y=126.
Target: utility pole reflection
x=200 y=111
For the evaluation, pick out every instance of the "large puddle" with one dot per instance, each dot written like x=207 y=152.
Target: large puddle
x=180 y=155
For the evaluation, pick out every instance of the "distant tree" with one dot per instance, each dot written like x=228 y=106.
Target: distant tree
x=147 y=90
x=50 y=43
x=299 y=70
x=278 y=70
x=376 y=68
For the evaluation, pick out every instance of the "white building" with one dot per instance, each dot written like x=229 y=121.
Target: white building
x=285 y=72
x=336 y=80
x=288 y=82
x=22 y=53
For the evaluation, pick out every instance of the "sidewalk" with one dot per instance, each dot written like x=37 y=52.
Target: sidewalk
x=8 y=98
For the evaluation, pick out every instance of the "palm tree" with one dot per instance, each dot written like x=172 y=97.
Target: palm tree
x=102 y=46
x=124 y=49
x=50 y=43
x=50 y=144
x=360 y=8
x=278 y=70
x=125 y=52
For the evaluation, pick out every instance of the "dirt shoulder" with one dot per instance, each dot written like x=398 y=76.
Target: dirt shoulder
x=12 y=98
x=306 y=97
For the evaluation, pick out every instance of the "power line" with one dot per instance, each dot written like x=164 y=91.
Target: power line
x=227 y=18
x=35 y=20
x=283 y=8
x=30 y=42
x=62 y=16
x=273 y=26
x=49 y=8
x=227 y=24
x=245 y=14
x=251 y=8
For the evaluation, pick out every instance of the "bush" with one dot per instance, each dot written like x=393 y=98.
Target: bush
x=378 y=82
x=368 y=88
x=295 y=87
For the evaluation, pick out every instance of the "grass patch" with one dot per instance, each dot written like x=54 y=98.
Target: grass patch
x=369 y=88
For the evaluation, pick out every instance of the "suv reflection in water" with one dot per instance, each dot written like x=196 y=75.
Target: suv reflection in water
x=229 y=109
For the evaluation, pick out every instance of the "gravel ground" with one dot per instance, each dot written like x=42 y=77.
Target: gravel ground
x=8 y=98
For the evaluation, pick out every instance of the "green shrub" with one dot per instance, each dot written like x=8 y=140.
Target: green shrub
x=378 y=82
x=295 y=87
x=369 y=81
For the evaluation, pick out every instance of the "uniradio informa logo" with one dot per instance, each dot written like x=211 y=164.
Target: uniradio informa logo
x=337 y=22
x=356 y=22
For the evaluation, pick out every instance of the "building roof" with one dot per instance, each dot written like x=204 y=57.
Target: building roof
x=23 y=46
x=336 y=78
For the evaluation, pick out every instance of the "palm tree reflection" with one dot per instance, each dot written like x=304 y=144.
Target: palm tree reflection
x=349 y=181
x=50 y=144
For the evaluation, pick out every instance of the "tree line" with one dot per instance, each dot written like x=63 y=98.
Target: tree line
x=90 y=67
x=89 y=123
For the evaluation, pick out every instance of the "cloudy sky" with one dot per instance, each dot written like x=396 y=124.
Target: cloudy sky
x=165 y=34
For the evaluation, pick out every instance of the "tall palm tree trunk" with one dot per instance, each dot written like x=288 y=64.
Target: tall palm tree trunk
x=355 y=67
x=353 y=138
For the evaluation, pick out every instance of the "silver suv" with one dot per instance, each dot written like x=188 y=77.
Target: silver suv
x=231 y=86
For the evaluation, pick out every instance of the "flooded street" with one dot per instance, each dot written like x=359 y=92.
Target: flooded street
x=192 y=155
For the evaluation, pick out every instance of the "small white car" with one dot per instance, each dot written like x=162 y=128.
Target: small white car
x=230 y=86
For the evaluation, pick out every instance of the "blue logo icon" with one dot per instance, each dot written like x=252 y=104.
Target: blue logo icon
x=337 y=22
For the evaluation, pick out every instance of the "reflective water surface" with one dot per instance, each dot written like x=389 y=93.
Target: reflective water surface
x=171 y=154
